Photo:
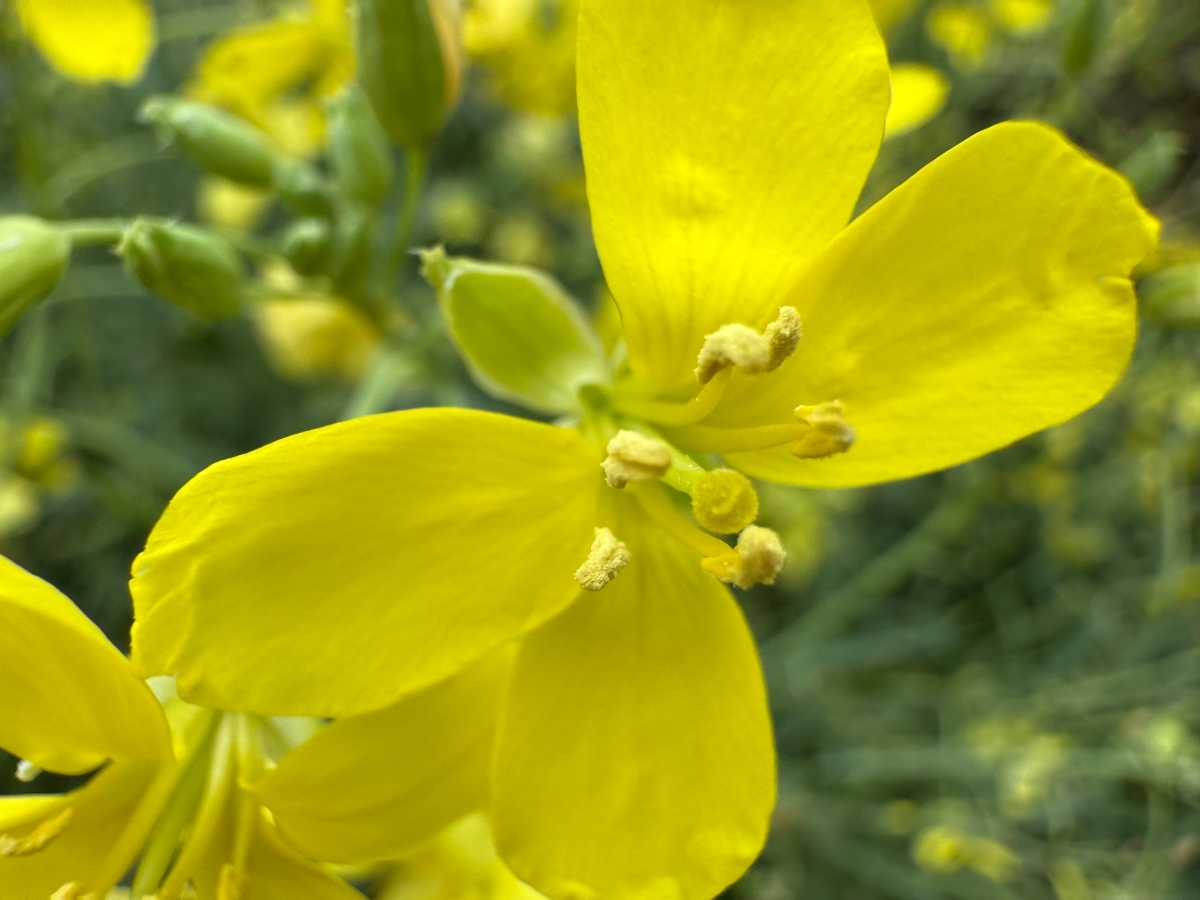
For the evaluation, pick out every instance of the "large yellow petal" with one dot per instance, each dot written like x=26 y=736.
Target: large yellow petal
x=81 y=830
x=91 y=40
x=332 y=572
x=372 y=787
x=70 y=699
x=723 y=149
x=983 y=300
x=634 y=757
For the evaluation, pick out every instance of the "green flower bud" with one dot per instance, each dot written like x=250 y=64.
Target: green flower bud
x=303 y=189
x=216 y=141
x=410 y=65
x=190 y=267
x=308 y=246
x=33 y=258
x=523 y=339
x=362 y=156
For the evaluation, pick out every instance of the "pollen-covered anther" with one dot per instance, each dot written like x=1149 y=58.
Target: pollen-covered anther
x=828 y=431
x=607 y=557
x=724 y=501
x=747 y=350
x=27 y=771
x=634 y=457
x=757 y=559
x=39 y=838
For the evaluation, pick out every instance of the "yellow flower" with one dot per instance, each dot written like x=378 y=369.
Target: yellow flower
x=278 y=73
x=528 y=48
x=963 y=31
x=918 y=94
x=986 y=299
x=461 y=864
x=104 y=40
x=194 y=796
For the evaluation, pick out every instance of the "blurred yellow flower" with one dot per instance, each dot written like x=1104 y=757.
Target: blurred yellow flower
x=1022 y=16
x=278 y=73
x=230 y=205
x=528 y=49
x=918 y=94
x=944 y=850
x=963 y=31
x=91 y=40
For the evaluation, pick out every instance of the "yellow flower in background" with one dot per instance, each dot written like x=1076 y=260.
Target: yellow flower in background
x=35 y=461
x=91 y=40
x=528 y=49
x=985 y=299
x=919 y=93
x=278 y=73
x=963 y=31
x=1021 y=16
x=198 y=799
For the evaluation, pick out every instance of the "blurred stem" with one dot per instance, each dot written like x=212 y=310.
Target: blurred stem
x=388 y=370
x=107 y=438
x=109 y=158
x=95 y=232
x=416 y=161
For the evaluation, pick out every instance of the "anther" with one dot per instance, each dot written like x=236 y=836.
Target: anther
x=27 y=771
x=829 y=433
x=39 y=838
x=605 y=559
x=724 y=501
x=747 y=350
x=634 y=457
x=757 y=559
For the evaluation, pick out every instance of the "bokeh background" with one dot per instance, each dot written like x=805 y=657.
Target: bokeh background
x=986 y=683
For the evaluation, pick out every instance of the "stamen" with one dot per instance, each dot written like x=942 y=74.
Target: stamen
x=829 y=432
x=69 y=891
x=667 y=413
x=229 y=886
x=27 y=771
x=39 y=838
x=607 y=557
x=634 y=457
x=706 y=439
x=757 y=559
x=748 y=350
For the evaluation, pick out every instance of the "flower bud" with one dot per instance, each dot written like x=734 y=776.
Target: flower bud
x=33 y=258
x=409 y=64
x=216 y=141
x=190 y=267
x=308 y=246
x=362 y=157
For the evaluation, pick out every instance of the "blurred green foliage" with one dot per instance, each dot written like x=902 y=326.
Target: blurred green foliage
x=984 y=682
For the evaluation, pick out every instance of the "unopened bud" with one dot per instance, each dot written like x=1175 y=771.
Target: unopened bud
x=190 y=267
x=362 y=157
x=410 y=64
x=33 y=257
x=215 y=140
x=308 y=246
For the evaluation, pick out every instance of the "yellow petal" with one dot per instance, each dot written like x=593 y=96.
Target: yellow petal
x=274 y=871
x=372 y=787
x=70 y=699
x=723 y=150
x=363 y=560
x=918 y=94
x=889 y=13
x=91 y=40
x=90 y=820
x=985 y=299
x=634 y=757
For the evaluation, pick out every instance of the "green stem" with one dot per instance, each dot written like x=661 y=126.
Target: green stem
x=414 y=176
x=94 y=232
x=388 y=370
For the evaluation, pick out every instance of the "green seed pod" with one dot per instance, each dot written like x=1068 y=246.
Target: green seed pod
x=409 y=64
x=33 y=257
x=362 y=156
x=308 y=246
x=190 y=267
x=216 y=141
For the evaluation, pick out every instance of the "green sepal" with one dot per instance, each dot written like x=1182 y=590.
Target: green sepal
x=523 y=338
x=33 y=257
x=189 y=267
